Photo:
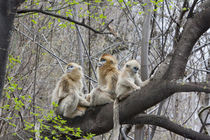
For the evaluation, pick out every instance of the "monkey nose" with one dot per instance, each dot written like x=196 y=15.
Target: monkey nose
x=135 y=70
x=68 y=70
x=100 y=64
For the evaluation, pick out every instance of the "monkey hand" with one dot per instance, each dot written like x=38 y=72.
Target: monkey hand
x=137 y=88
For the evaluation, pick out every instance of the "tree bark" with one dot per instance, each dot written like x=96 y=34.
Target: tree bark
x=169 y=125
x=139 y=129
x=193 y=29
x=7 y=13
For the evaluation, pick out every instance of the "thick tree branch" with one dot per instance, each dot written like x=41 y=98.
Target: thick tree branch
x=169 y=125
x=99 y=120
x=189 y=87
x=65 y=18
x=193 y=29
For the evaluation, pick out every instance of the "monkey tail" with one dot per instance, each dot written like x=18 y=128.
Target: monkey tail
x=116 y=120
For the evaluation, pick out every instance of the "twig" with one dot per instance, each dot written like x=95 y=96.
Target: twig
x=54 y=53
x=86 y=51
x=192 y=112
x=65 y=18
x=51 y=52
x=191 y=9
x=203 y=122
x=41 y=46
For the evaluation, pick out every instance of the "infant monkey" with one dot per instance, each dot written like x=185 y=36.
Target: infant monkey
x=128 y=81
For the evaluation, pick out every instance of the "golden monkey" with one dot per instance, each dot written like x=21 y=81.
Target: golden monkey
x=68 y=93
x=107 y=73
x=128 y=81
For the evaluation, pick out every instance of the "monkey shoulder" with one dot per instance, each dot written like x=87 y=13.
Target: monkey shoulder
x=113 y=74
x=64 y=84
x=68 y=84
x=110 y=70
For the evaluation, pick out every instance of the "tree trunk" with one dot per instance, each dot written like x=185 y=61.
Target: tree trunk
x=139 y=129
x=7 y=13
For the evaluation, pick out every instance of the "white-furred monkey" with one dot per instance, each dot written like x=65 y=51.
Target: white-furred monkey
x=128 y=81
x=68 y=93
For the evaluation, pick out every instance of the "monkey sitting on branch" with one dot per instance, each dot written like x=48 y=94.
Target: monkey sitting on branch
x=107 y=73
x=128 y=81
x=68 y=93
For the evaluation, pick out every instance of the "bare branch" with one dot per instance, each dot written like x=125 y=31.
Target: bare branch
x=65 y=18
x=169 y=125
x=189 y=87
x=192 y=8
x=51 y=53
x=193 y=29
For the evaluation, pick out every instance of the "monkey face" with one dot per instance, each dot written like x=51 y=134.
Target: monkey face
x=74 y=71
x=101 y=62
x=107 y=59
x=135 y=69
x=69 y=68
x=73 y=68
x=132 y=66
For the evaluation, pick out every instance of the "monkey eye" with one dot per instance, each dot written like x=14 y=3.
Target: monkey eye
x=136 y=68
x=102 y=60
x=127 y=65
x=70 y=67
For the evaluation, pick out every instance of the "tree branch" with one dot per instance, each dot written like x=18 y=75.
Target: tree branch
x=191 y=9
x=189 y=87
x=65 y=18
x=99 y=119
x=193 y=29
x=169 y=125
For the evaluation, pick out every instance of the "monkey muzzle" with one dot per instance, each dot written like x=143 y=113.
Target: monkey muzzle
x=101 y=64
x=135 y=69
x=69 y=70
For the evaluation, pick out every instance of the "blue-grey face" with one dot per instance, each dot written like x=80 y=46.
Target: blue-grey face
x=101 y=62
x=69 y=68
x=135 y=69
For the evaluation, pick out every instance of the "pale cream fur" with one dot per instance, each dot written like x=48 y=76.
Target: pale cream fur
x=128 y=81
x=68 y=93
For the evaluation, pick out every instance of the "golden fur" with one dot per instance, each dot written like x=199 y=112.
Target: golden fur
x=68 y=92
x=107 y=73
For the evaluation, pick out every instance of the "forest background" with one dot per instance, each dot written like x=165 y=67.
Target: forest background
x=45 y=35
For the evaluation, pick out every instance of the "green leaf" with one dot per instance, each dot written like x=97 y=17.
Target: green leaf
x=63 y=25
x=145 y=4
x=33 y=21
x=184 y=9
x=46 y=138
